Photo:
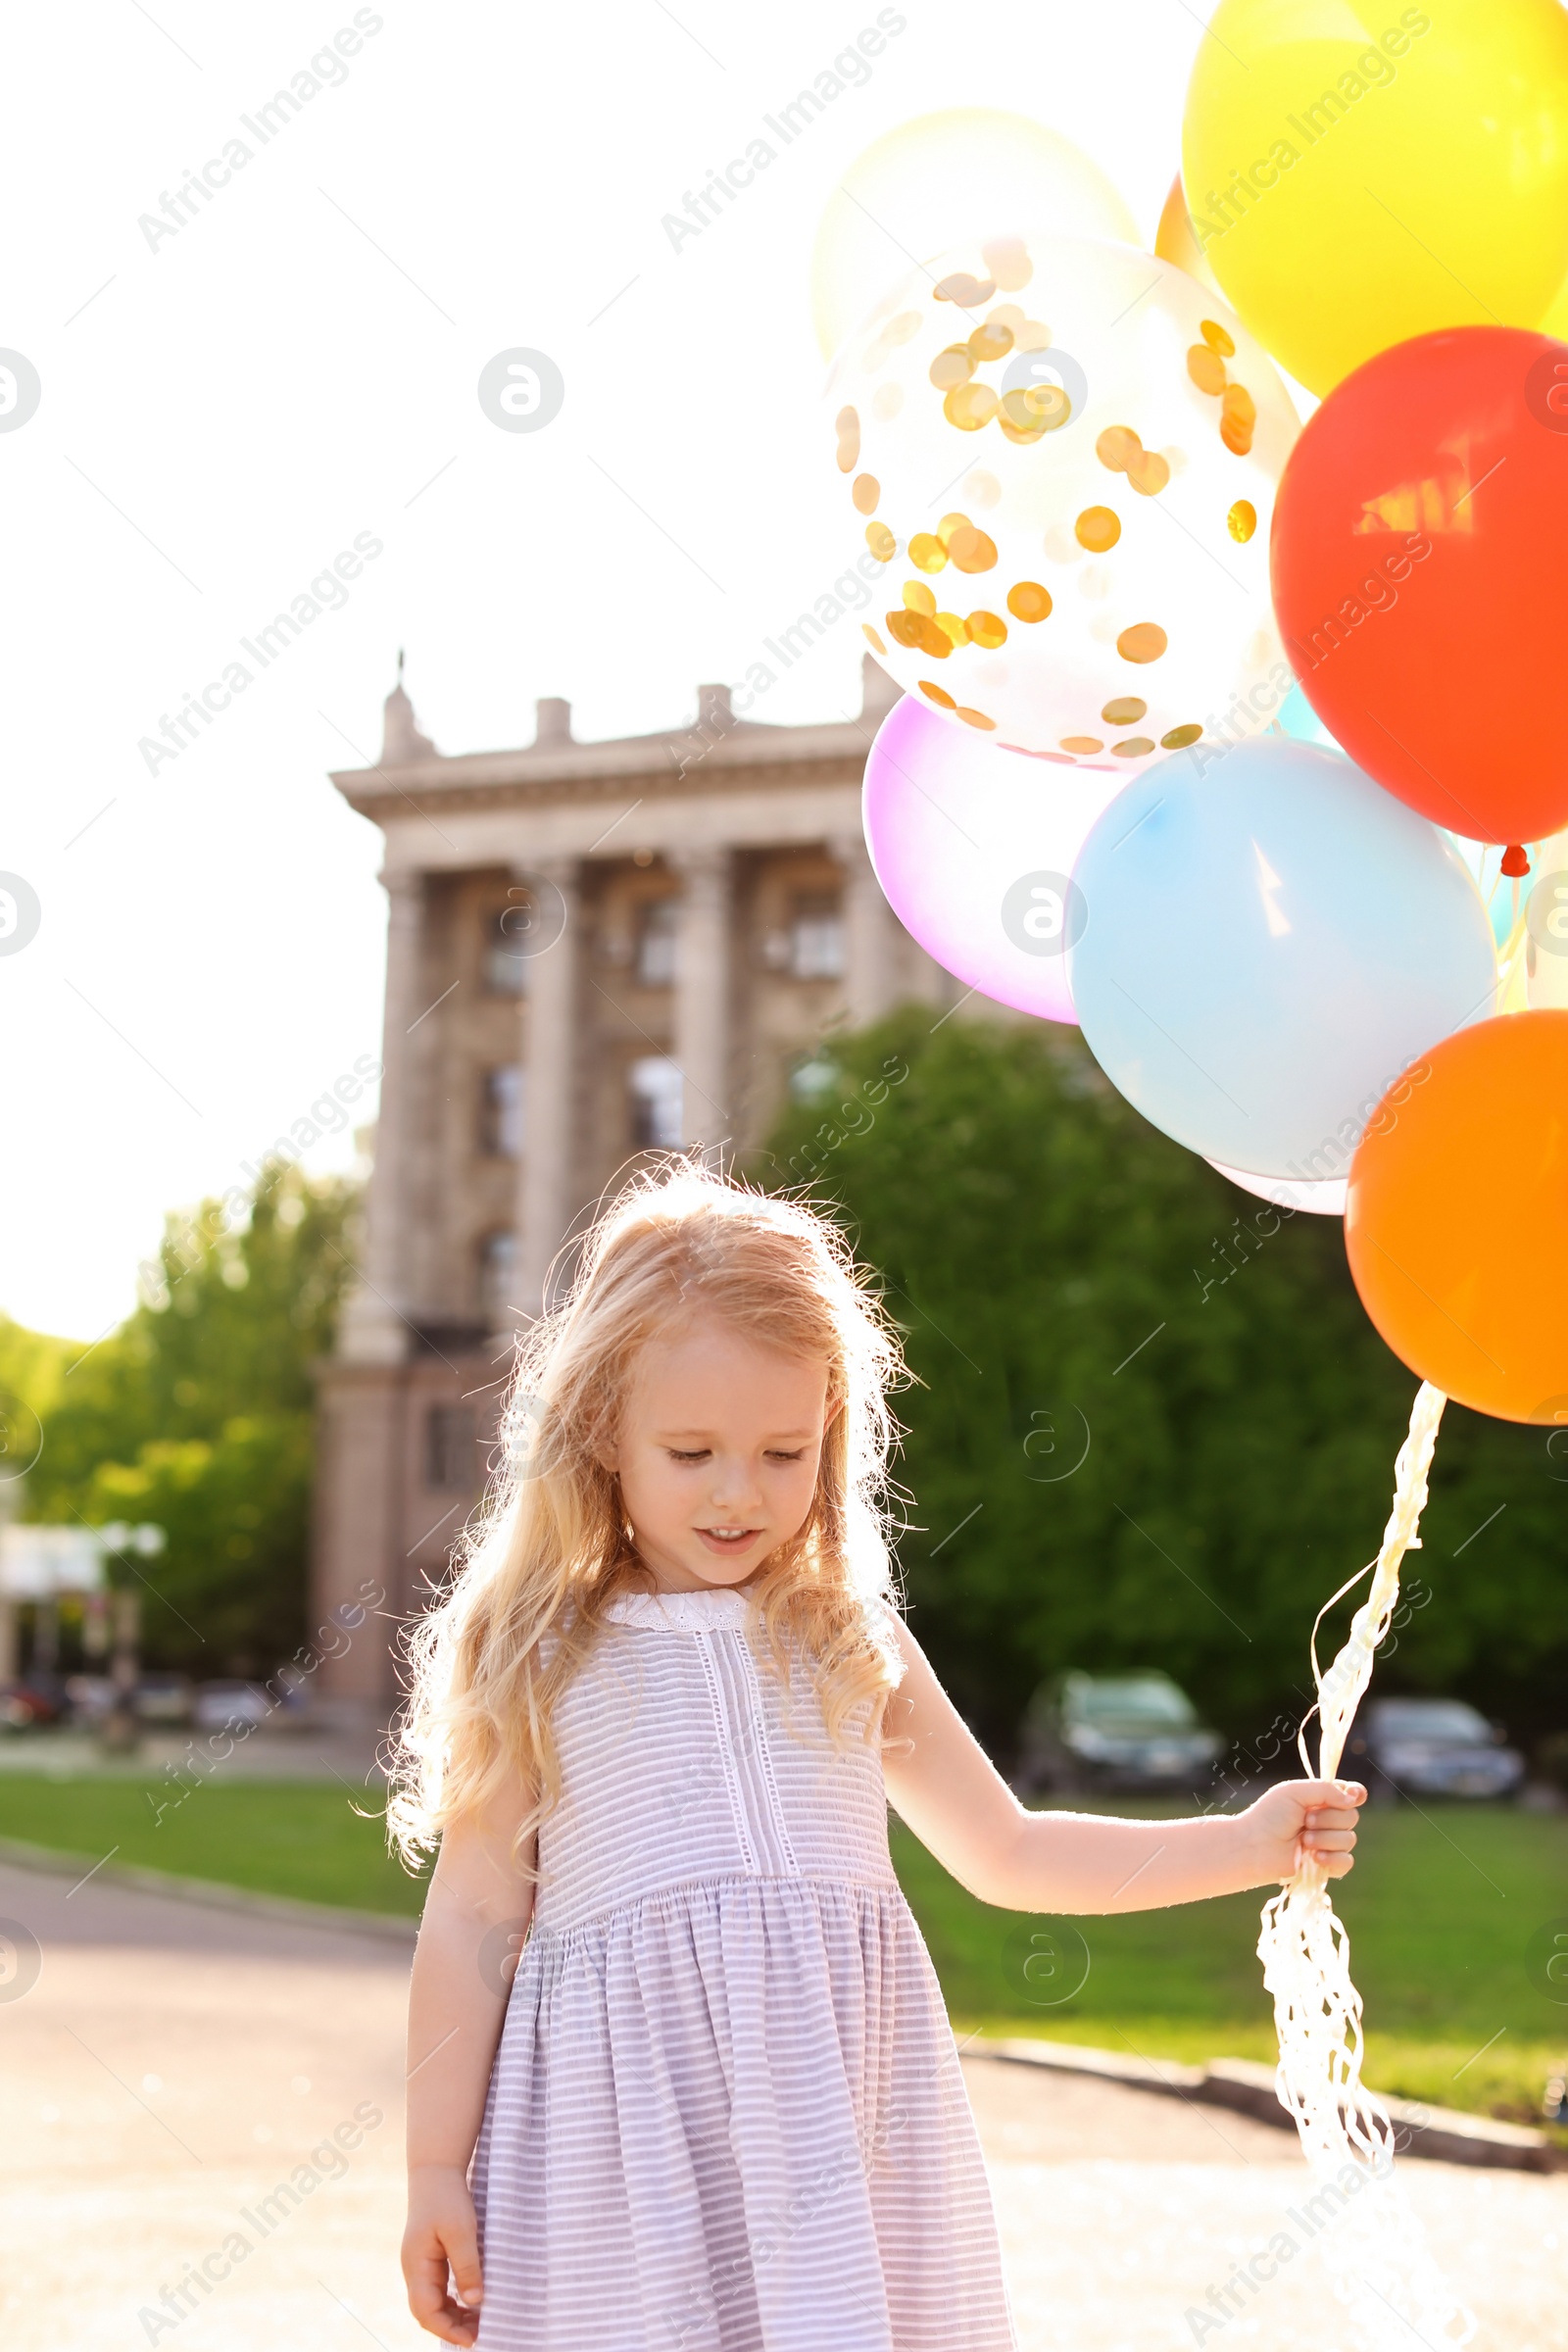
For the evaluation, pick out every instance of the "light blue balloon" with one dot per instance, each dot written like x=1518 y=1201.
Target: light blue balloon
x=1298 y=721
x=1301 y=723
x=1270 y=940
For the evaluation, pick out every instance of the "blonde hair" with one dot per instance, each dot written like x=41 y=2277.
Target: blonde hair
x=551 y=1547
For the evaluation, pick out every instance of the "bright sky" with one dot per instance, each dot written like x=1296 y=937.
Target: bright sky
x=294 y=371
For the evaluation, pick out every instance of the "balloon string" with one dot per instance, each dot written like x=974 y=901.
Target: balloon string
x=1382 y=2267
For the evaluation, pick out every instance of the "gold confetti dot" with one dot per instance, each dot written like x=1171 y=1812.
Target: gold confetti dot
x=1022 y=436
x=990 y=342
x=970 y=407
x=868 y=490
x=982 y=488
x=1117 y=447
x=880 y=540
x=1134 y=748
x=953 y=628
x=1145 y=641
x=917 y=597
x=1179 y=738
x=927 y=551
x=976 y=718
x=951 y=367
x=900 y=628
x=988 y=629
x=1217 y=340
x=1008 y=262
x=1048 y=404
x=1033 y=335
x=1125 y=711
x=1206 y=370
x=871 y=638
x=937 y=694
x=964 y=289
x=951 y=523
x=1098 y=528
x=1238 y=419
x=1148 y=473
x=1082 y=743
x=1028 y=600
x=1241 y=520
x=971 y=549
x=931 y=636
x=849 y=432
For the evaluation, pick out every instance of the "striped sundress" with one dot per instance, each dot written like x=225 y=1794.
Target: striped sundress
x=726 y=2114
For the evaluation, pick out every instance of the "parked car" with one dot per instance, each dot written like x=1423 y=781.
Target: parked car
x=163 y=1699
x=1125 y=1731
x=25 y=1705
x=1432 y=1747
x=222 y=1705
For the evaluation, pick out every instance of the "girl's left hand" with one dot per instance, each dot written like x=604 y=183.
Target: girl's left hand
x=1302 y=1821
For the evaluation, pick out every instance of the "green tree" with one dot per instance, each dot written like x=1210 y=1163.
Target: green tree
x=1150 y=1424
x=197 y=1414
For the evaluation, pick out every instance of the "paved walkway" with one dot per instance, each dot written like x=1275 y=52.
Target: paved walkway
x=174 y=2067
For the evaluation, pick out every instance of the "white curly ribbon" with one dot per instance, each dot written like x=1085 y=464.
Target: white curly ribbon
x=1377 y=2253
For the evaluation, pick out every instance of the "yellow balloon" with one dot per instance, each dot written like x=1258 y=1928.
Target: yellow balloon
x=1556 y=321
x=1358 y=173
x=1174 y=241
x=967 y=173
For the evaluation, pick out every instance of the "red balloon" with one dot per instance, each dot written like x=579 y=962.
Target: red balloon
x=1419 y=575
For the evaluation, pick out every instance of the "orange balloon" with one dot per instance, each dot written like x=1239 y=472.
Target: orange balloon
x=1176 y=240
x=1457 y=1213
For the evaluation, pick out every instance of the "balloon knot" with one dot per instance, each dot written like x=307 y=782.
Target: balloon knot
x=1515 y=864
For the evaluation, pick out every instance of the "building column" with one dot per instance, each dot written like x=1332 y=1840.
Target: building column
x=550 y=1054
x=372 y=1329
x=703 y=985
x=870 y=942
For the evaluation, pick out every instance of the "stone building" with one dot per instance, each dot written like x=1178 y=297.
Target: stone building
x=595 y=949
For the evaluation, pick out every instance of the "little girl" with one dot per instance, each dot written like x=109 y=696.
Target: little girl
x=656 y=1723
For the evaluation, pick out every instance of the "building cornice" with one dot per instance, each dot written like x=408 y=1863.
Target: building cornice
x=673 y=767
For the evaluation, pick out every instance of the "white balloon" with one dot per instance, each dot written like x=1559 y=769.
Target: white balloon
x=1320 y=1196
x=960 y=173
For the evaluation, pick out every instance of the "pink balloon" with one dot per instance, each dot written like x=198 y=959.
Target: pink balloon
x=974 y=847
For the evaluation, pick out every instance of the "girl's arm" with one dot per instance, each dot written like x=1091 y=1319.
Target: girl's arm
x=945 y=1789
x=475 y=1917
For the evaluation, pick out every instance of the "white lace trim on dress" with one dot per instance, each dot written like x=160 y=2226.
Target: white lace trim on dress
x=718 y=1611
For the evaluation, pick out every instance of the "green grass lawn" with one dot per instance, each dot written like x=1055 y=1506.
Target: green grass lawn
x=1441 y=1909
x=303 y=1839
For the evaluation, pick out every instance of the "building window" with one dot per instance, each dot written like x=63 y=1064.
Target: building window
x=450 y=1440
x=816 y=939
x=507 y=947
x=500 y=1111
x=657 y=1089
x=657 y=920
x=498 y=1266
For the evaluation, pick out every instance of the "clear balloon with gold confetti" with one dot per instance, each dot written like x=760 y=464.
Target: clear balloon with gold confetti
x=1062 y=454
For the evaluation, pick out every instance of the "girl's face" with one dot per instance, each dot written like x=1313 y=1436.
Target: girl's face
x=717 y=1454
